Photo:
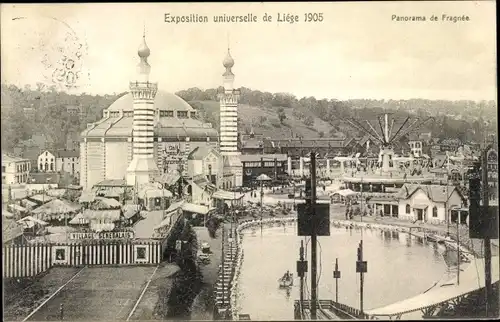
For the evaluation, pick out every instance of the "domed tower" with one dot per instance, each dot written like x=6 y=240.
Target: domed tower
x=229 y=97
x=143 y=167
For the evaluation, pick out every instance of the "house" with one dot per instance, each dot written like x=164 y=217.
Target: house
x=429 y=203
x=60 y=161
x=200 y=190
x=208 y=162
x=15 y=170
x=416 y=144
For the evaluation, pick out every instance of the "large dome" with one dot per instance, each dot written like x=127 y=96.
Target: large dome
x=163 y=101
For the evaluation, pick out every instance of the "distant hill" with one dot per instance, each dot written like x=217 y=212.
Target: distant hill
x=265 y=121
x=56 y=116
x=283 y=115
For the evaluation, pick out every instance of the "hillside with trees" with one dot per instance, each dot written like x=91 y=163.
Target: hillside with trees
x=44 y=112
x=282 y=115
x=47 y=113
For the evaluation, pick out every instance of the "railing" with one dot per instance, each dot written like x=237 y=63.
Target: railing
x=341 y=310
x=349 y=312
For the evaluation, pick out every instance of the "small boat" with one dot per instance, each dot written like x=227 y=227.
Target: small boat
x=286 y=281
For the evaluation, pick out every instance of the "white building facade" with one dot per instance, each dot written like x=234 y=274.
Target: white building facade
x=15 y=170
x=59 y=161
x=429 y=203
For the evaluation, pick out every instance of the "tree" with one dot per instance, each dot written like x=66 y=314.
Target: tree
x=308 y=121
x=281 y=115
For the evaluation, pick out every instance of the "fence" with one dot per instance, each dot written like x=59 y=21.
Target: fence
x=26 y=260
x=31 y=260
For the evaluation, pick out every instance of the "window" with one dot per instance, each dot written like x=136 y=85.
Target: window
x=407 y=209
x=51 y=166
x=3 y=168
x=434 y=212
x=193 y=114
x=46 y=166
x=46 y=153
x=41 y=166
x=182 y=114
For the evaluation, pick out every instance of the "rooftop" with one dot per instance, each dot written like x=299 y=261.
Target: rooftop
x=199 y=153
x=10 y=158
x=266 y=157
x=163 y=101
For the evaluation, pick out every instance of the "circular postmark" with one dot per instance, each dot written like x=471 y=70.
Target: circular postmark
x=59 y=50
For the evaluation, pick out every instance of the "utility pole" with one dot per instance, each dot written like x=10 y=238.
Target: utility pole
x=458 y=250
x=275 y=169
x=336 y=276
x=361 y=268
x=314 y=291
x=261 y=192
x=301 y=270
x=223 y=264
x=487 y=240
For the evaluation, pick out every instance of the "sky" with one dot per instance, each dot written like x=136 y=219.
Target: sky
x=356 y=51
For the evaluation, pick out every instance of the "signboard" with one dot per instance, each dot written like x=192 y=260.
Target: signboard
x=170 y=153
x=321 y=218
x=102 y=235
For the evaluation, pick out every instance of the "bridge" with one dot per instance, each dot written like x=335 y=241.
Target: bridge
x=471 y=281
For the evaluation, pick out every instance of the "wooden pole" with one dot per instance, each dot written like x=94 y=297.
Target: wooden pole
x=361 y=280
x=223 y=262
x=458 y=249
x=314 y=282
x=261 y=192
x=336 y=281
x=301 y=277
x=487 y=241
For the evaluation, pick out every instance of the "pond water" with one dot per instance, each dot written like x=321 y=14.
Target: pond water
x=399 y=266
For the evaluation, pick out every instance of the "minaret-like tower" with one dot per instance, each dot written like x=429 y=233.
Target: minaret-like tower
x=229 y=110
x=229 y=122
x=143 y=167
